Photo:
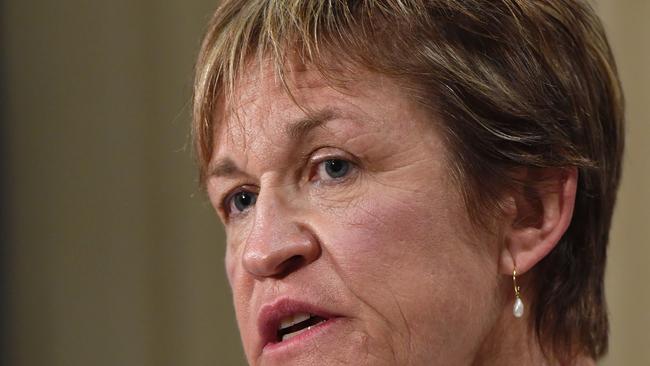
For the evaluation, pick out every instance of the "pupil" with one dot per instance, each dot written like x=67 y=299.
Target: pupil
x=336 y=168
x=243 y=200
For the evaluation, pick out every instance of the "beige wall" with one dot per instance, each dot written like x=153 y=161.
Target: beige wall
x=115 y=257
x=628 y=272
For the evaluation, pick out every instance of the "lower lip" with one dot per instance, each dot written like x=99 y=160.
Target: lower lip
x=277 y=348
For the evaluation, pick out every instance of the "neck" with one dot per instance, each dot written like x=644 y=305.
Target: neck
x=512 y=341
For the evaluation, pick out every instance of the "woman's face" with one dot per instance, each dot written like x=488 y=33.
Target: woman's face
x=347 y=241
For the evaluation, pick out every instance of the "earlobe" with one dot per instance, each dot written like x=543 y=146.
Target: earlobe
x=538 y=216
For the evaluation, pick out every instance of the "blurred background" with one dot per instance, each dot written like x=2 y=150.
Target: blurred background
x=110 y=253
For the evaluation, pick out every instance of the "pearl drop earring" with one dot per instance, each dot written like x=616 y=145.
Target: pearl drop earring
x=518 y=307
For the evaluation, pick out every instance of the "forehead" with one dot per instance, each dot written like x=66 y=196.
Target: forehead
x=261 y=93
x=298 y=87
x=264 y=102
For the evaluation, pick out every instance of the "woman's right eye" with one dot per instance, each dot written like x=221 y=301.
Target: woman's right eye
x=240 y=201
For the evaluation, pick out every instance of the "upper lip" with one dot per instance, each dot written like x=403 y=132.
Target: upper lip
x=271 y=315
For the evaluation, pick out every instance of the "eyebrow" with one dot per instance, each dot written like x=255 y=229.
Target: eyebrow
x=295 y=130
x=300 y=128
x=224 y=168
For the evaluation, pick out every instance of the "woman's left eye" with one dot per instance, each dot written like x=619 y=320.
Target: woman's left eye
x=331 y=169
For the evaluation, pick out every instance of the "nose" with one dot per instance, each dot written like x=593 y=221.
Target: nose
x=280 y=242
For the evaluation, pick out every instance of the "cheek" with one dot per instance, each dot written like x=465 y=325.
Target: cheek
x=241 y=286
x=390 y=232
x=405 y=256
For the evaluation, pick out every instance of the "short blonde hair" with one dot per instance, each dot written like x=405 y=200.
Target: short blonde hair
x=518 y=83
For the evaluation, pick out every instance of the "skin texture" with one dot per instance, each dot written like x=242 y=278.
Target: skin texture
x=388 y=247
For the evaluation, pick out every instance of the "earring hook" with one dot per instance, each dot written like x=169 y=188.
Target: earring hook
x=518 y=307
x=514 y=281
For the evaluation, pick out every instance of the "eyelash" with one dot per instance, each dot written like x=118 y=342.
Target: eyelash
x=227 y=203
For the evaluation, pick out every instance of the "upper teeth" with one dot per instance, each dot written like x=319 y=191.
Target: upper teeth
x=293 y=319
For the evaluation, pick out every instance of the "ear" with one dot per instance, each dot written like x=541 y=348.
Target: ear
x=538 y=214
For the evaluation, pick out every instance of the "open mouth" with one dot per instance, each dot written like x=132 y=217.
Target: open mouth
x=295 y=324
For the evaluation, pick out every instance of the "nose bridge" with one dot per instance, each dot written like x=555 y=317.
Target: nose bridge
x=280 y=241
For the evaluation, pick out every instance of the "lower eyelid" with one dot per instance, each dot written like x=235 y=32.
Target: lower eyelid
x=234 y=216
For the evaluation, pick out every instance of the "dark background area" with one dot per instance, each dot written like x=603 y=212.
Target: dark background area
x=3 y=209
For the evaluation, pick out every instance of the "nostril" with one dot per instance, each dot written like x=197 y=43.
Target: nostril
x=278 y=251
x=290 y=265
